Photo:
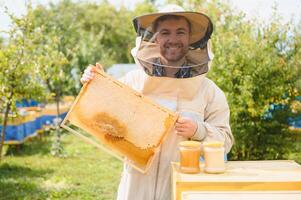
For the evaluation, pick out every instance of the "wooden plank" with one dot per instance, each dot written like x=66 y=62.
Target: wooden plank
x=239 y=186
x=246 y=195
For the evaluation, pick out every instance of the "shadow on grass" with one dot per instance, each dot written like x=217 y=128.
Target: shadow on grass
x=21 y=190
x=18 y=182
x=15 y=171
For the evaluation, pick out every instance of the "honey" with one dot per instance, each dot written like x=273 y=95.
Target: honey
x=190 y=152
x=214 y=157
x=107 y=124
x=121 y=145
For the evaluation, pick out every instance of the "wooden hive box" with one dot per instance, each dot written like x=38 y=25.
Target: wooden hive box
x=119 y=120
x=247 y=180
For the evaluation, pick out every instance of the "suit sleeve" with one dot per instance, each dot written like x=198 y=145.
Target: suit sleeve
x=216 y=122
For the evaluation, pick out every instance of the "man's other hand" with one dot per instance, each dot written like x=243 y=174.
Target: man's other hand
x=185 y=127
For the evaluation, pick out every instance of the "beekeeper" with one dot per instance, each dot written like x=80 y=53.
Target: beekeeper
x=174 y=55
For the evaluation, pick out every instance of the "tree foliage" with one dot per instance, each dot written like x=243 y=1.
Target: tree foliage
x=86 y=33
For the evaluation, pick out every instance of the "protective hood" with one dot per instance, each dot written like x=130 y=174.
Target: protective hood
x=173 y=43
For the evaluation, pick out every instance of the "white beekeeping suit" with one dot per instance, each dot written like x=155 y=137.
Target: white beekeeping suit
x=193 y=96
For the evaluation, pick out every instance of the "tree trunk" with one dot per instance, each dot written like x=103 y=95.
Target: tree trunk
x=57 y=99
x=4 y=124
x=57 y=146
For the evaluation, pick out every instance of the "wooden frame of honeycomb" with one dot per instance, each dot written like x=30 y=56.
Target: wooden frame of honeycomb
x=123 y=122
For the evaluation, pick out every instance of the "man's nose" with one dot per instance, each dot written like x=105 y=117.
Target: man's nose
x=173 y=38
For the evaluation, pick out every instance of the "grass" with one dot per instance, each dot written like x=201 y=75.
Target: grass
x=84 y=173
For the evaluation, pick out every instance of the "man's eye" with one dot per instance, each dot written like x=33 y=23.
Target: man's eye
x=164 y=33
x=181 y=33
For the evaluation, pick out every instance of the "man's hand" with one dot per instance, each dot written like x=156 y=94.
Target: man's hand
x=89 y=73
x=185 y=127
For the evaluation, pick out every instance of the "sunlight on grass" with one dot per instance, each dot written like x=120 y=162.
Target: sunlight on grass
x=85 y=173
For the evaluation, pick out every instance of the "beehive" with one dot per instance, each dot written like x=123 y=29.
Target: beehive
x=122 y=121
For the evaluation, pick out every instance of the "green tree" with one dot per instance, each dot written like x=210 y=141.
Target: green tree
x=56 y=49
x=91 y=33
x=261 y=84
x=18 y=77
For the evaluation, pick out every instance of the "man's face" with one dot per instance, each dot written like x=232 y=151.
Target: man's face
x=173 y=38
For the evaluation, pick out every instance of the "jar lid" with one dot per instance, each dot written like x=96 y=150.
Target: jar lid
x=190 y=144
x=213 y=144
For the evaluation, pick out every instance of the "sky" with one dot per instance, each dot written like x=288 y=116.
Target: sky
x=260 y=9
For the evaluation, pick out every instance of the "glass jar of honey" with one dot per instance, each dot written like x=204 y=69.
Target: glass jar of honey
x=190 y=152
x=214 y=157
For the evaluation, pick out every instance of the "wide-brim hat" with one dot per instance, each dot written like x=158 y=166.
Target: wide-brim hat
x=201 y=25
